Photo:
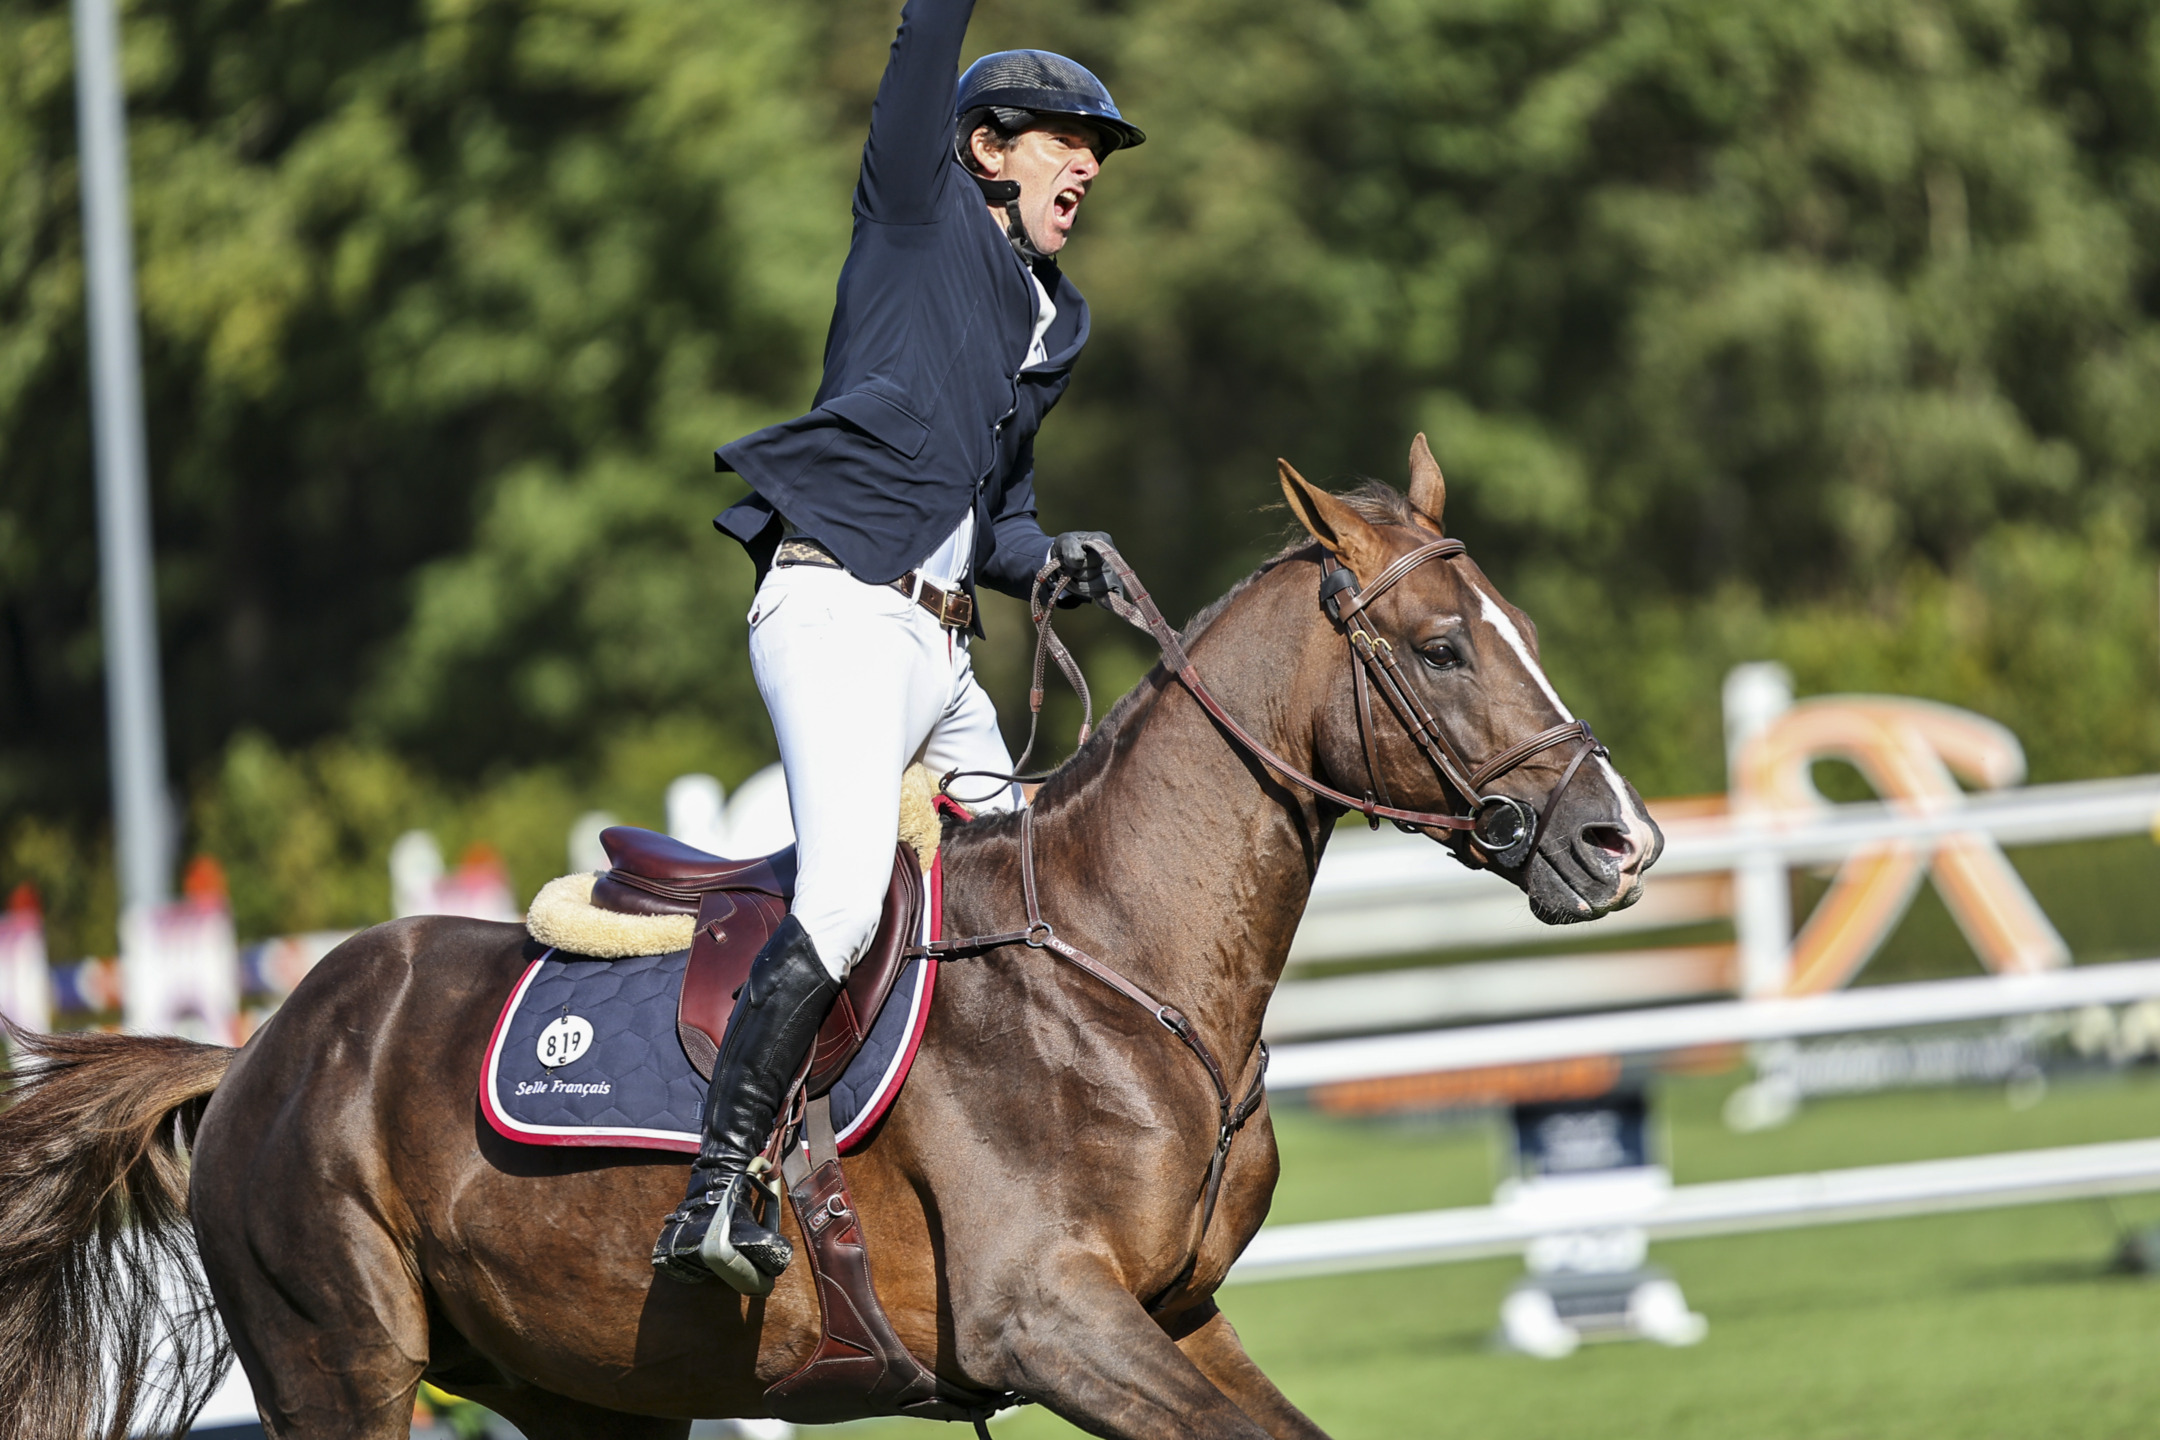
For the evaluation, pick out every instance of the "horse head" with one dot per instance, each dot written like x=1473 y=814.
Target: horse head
x=1453 y=714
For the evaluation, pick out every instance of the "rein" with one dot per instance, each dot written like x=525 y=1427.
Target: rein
x=1502 y=826
x=1040 y=934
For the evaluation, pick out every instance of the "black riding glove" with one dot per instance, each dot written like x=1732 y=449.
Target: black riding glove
x=1083 y=568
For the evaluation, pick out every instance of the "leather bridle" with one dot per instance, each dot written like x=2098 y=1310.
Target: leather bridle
x=1503 y=827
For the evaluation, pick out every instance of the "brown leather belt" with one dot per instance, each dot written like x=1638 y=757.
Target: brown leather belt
x=954 y=609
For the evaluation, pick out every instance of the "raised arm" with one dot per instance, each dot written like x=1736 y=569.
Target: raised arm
x=910 y=147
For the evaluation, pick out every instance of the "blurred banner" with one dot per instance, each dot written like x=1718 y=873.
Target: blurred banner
x=180 y=963
x=87 y=989
x=478 y=889
x=25 y=979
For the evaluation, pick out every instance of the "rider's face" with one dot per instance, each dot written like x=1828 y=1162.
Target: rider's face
x=1055 y=163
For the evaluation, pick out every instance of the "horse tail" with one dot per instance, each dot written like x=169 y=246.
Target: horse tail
x=99 y=1277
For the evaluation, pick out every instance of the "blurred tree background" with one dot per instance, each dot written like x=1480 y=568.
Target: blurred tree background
x=1743 y=329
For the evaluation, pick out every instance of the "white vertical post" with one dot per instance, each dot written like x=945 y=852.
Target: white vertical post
x=697 y=812
x=1755 y=695
x=135 y=718
x=416 y=872
x=587 y=854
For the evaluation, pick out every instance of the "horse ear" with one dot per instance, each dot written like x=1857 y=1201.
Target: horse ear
x=1348 y=536
x=1428 y=488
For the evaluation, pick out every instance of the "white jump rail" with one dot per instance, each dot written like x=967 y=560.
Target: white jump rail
x=1386 y=893
x=1362 y=869
x=1730 y=1207
x=1384 y=883
x=1681 y=1027
x=2027 y=815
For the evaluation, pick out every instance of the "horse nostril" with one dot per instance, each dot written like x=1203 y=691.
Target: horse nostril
x=1610 y=840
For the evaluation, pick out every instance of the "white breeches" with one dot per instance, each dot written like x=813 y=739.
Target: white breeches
x=861 y=681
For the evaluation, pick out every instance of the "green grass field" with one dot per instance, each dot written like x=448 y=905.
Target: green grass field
x=2004 y=1323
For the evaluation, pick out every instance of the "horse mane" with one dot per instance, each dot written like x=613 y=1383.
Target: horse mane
x=1374 y=501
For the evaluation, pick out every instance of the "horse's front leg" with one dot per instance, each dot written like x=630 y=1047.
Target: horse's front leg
x=1078 y=1343
x=1214 y=1348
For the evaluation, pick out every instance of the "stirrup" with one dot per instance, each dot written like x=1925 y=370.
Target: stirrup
x=747 y=1273
x=696 y=1241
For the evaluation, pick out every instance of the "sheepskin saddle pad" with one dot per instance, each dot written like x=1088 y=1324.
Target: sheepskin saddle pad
x=611 y=1033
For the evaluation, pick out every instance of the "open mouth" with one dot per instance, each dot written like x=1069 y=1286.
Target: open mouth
x=1064 y=205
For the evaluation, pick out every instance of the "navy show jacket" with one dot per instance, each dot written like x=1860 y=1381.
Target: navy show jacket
x=927 y=406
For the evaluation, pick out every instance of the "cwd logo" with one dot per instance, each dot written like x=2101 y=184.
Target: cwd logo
x=566 y=1038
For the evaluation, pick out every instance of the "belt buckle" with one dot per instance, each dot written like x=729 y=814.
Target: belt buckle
x=954 y=609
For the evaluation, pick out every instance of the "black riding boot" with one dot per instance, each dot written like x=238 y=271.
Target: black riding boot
x=715 y=1231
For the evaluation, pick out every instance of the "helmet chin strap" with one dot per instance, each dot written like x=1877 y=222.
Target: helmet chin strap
x=1007 y=194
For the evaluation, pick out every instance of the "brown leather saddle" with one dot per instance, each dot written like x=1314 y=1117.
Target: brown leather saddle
x=738 y=905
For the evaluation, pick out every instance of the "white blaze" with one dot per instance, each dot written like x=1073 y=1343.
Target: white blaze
x=1497 y=617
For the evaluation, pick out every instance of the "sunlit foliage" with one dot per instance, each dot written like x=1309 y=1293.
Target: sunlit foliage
x=1742 y=328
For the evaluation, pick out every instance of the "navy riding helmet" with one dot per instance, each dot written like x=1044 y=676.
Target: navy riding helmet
x=1036 y=82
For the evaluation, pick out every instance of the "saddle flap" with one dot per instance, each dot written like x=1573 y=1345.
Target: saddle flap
x=733 y=925
x=731 y=928
x=654 y=874
x=871 y=982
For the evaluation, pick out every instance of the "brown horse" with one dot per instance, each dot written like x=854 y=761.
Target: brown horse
x=1032 y=1200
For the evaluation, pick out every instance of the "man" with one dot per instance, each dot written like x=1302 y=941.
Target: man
x=871 y=520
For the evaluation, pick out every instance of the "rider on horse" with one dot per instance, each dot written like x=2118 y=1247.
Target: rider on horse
x=872 y=518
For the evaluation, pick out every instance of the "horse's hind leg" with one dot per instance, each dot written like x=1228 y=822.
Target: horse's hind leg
x=326 y=1375
x=334 y=1339
x=324 y=1366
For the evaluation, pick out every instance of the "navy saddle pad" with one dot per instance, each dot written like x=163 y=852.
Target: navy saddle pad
x=586 y=1053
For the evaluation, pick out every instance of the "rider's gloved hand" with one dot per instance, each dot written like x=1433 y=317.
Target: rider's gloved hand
x=1083 y=568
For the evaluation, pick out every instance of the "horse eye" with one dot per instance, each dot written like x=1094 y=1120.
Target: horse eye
x=1440 y=656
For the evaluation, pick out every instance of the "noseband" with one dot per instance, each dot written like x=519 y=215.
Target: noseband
x=1503 y=827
